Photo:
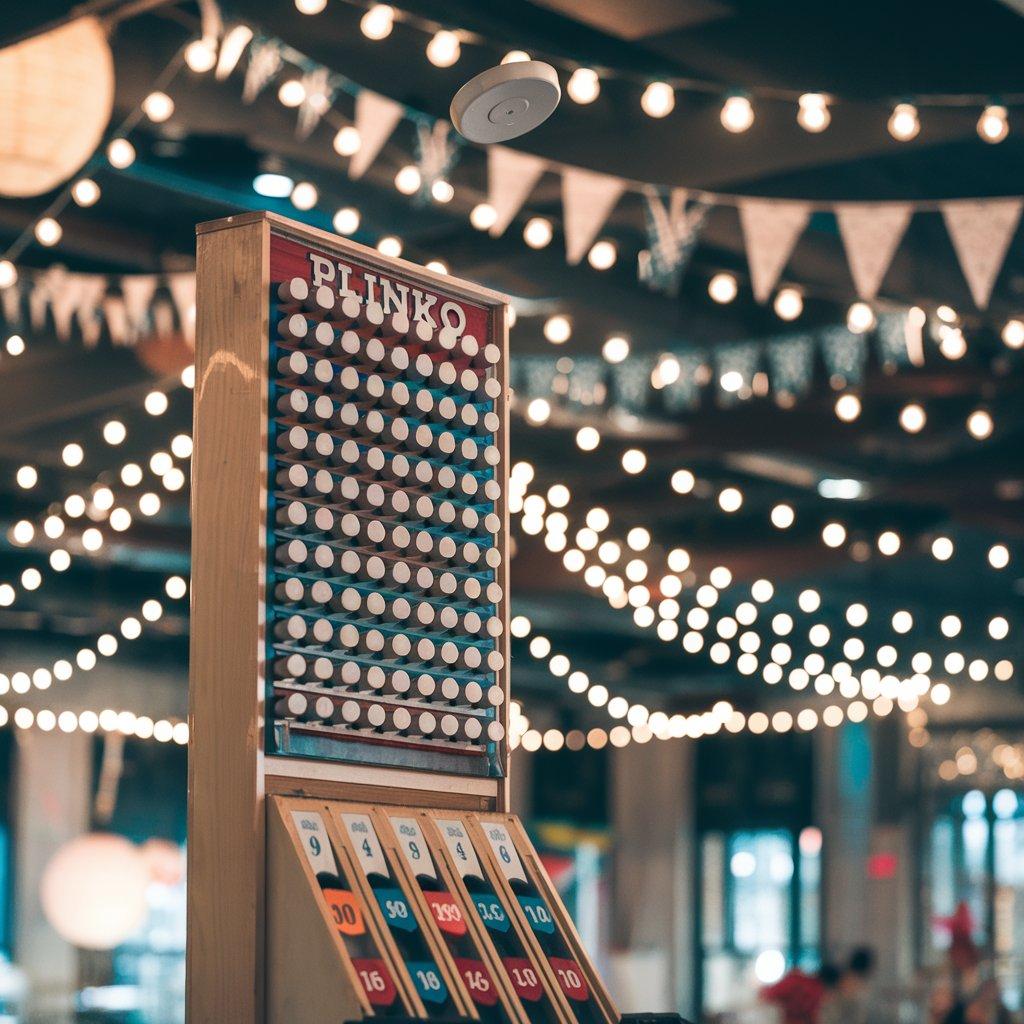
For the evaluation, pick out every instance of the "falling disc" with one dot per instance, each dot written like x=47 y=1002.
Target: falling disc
x=505 y=102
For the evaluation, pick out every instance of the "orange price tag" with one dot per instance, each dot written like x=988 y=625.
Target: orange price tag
x=346 y=912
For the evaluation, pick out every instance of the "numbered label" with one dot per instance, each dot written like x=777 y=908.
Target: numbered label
x=537 y=914
x=523 y=976
x=481 y=988
x=396 y=909
x=413 y=846
x=366 y=844
x=427 y=979
x=466 y=861
x=375 y=978
x=492 y=913
x=504 y=849
x=313 y=836
x=345 y=911
x=446 y=912
x=570 y=977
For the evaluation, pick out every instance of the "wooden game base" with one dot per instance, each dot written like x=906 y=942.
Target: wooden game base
x=404 y=912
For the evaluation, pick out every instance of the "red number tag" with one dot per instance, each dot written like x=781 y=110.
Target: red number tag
x=375 y=978
x=570 y=977
x=478 y=981
x=524 y=978
x=447 y=912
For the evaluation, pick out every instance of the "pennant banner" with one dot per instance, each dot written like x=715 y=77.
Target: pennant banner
x=771 y=229
x=871 y=233
x=511 y=177
x=672 y=237
x=845 y=355
x=376 y=118
x=587 y=202
x=981 y=231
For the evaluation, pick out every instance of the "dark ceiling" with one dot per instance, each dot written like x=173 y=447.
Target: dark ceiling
x=200 y=165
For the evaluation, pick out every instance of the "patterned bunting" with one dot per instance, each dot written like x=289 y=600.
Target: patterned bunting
x=981 y=231
x=587 y=201
x=672 y=235
x=771 y=229
x=791 y=363
x=871 y=233
x=845 y=355
x=511 y=177
x=264 y=63
x=376 y=117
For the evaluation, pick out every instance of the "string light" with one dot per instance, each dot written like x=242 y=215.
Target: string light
x=48 y=231
x=723 y=288
x=27 y=477
x=683 y=481
x=558 y=329
x=158 y=107
x=310 y=6
x=583 y=86
x=377 y=22
x=538 y=232
x=980 y=425
x=200 y=56
x=85 y=192
x=904 y=123
x=292 y=93
x=634 y=461
x=72 y=455
x=15 y=345
x=737 y=114
x=658 y=99
x=993 y=125
x=304 y=195
x=615 y=349
x=346 y=220
x=538 y=411
x=8 y=273
x=782 y=516
x=1013 y=334
x=444 y=49
x=347 y=141
x=999 y=556
x=913 y=418
x=602 y=254
x=860 y=318
x=847 y=407
x=587 y=439
x=121 y=153
x=483 y=216
x=813 y=114
x=730 y=499
x=408 y=180
x=155 y=403
x=391 y=246
x=789 y=304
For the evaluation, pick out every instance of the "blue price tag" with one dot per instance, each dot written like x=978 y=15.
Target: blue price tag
x=537 y=914
x=396 y=909
x=492 y=913
x=427 y=979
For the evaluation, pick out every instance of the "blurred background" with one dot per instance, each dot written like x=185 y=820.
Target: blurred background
x=767 y=483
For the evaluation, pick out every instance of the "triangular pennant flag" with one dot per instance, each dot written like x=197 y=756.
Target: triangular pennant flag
x=163 y=318
x=93 y=288
x=116 y=315
x=138 y=292
x=511 y=177
x=62 y=291
x=770 y=230
x=376 y=118
x=587 y=200
x=672 y=236
x=10 y=298
x=871 y=233
x=264 y=63
x=182 y=287
x=319 y=94
x=981 y=231
x=38 y=299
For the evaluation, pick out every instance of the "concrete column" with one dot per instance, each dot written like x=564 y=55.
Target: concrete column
x=653 y=876
x=53 y=777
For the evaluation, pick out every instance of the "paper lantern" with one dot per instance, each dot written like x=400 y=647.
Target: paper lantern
x=93 y=890
x=56 y=95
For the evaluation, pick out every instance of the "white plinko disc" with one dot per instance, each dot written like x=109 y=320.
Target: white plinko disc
x=505 y=102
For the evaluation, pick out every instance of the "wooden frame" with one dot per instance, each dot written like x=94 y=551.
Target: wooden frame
x=230 y=773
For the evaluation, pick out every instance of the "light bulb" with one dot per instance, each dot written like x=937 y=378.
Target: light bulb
x=85 y=192
x=377 y=22
x=27 y=477
x=408 y=180
x=121 y=153
x=848 y=407
x=980 y=425
x=993 y=125
x=558 y=329
x=155 y=403
x=292 y=93
x=391 y=246
x=889 y=543
x=789 y=304
x=538 y=411
x=723 y=288
x=615 y=349
x=860 y=318
x=782 y=516
x=999 y=556
x=538 y=232
x=310 y=6
x=1013 y=334
x=347 y=141
x=583 y=86
x=913 y=418
x=634 y=461
x=201 y=55
x=114 y=432
x=515 y=57
x=730 y=499
x=737 y=114
x=72 y=455
x=273 y=185
x=442 y=191
x=813 y=114
x=346 y=220
x=304 y=195
x=158 y=107
x=438 y=266
x=48 y=231
x=587 y=439
x=444 y=49
x=8 y=273
x=904 y=123
x=658 y=100
x=683 y=481
x=483 y=216
x=602 y=255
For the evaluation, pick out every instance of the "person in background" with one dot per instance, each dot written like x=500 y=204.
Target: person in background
x=850 y=999
x=797 y=996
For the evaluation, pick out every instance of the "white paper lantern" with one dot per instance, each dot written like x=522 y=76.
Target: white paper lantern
x=56 y=95
x=93 y=890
